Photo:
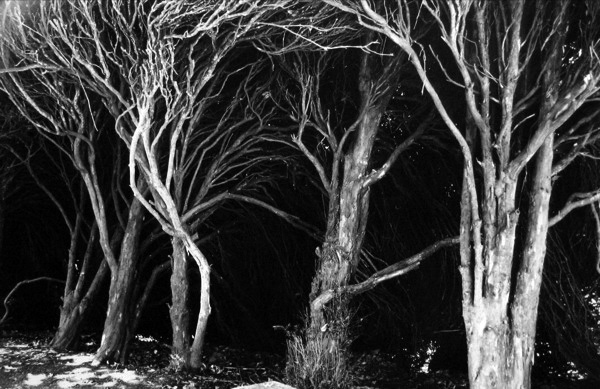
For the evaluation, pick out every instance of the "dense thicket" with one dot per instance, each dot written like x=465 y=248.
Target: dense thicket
x=280 y=164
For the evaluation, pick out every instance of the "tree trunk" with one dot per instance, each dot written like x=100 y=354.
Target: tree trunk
x=498 y=356
x=66 y=336
x=324 y=350
x=348 y=209
x=120 y=298
x=338 y=258
x=204 y=311
x=327 y=337
x=73 y=313
x=179 y=310
x=494 y=348
x=501 y=330
x=321 y=357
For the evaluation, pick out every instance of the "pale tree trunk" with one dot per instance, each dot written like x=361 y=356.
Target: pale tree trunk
x=486 y=289
x=529 y=278
x=501 y=346
x=319 y=357
x=347 y=217
x=505 y=86
x=205 y=309
x=327 y=337
x=179 y=310
x=348 y=208
x=122 y=285
x=501 y=324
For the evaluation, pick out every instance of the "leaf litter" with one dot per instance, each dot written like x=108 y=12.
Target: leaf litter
x=26 y=362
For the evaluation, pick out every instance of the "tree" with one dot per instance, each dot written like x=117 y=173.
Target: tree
x=529 y=71
x=338 y=139
x=151 y=64
x=79 y=293
x=213 y=149
x=181 y=69
x=47 y=92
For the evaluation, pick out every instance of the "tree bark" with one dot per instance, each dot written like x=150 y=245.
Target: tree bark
x=205 y=309
x=322 y=350
x=73 y=312
x=328 y=328
x=501 y=275
x=179 y=310
x=501 y=324
x=120 y=298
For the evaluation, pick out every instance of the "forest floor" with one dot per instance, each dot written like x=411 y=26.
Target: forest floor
x=26 y=362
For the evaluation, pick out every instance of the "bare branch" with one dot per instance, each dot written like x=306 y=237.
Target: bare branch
x=26 y=68
x=378 y=174
x=575 y=201
x=14 y=290
x=392 y=271
x=291 y=219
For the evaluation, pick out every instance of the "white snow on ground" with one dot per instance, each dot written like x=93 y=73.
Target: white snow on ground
x=78 y=359
x=35 y=379
x=87 y=376
x=80 y=372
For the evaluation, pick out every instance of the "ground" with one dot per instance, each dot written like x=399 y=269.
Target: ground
x=26 y=362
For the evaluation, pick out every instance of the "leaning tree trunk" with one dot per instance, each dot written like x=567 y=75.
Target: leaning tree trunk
x=76 y=300
x=74 y=310
x=195 y=352
x=121 y=292
x=327 y=331
x=179 y=310
x=320 y=359
x=338 y=258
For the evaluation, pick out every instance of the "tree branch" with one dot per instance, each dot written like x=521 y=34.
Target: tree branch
x=291 y=219
x=392 y=271
x=17 y=286
x=378 y=174
x=576 y=200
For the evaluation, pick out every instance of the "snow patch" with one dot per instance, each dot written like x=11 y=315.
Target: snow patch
x=35 y=379
x=78 y=360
